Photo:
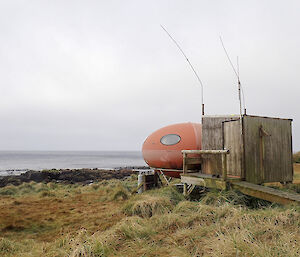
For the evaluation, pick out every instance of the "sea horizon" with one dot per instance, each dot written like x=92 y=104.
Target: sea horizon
x=19 y=161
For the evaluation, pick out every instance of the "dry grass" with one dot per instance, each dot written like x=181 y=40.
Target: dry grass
x=297 y=173
x=196 y=229
x=147 y=206
x=296 y=157
x=104 y=219
x=44 y=215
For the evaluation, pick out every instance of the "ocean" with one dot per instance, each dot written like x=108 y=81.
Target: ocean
x=16 y=162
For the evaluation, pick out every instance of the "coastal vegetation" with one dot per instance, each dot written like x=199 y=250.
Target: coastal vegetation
x=296 y=157
x=105 y=219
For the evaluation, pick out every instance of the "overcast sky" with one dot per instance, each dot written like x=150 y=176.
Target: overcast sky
x=103 y=75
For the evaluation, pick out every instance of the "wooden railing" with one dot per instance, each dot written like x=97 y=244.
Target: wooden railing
x=222 y=152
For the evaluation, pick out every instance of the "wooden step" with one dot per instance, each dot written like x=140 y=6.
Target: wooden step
x=205 y=180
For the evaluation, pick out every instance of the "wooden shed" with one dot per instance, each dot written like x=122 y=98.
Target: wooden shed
x=260 y=147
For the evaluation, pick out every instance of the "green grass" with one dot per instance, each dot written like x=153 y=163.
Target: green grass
x=105 y=219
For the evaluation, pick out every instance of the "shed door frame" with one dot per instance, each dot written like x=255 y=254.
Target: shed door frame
x=233 y=141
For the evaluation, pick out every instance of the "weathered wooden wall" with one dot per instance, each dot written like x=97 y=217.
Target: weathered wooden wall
x=268 y=154
x=212 y=139
x=233 y=141
x=263 y=154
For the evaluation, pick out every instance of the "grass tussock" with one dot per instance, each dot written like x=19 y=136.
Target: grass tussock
x=120 y=193
x=105 y=219
x=146 y=206
x=154 y=202
x=201 y=230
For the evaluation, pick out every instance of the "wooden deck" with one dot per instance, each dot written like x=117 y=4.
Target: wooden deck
x=266 y=193
x=258 y=191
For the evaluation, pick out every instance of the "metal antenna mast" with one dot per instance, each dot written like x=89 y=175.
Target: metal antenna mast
x=242 y=89
x=187 y=59
x=238 y=78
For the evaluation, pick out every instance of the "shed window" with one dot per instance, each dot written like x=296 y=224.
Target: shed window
x=170 y=139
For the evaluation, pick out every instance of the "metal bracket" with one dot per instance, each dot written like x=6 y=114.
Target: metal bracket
x=262 y=132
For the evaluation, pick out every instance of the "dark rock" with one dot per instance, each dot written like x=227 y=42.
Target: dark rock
x=67 y=176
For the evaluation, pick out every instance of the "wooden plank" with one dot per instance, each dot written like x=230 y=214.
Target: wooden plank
x=224 y=167
x=205 y=151
x=184 y=166
x=190 y=189
x=137 y=188
x=266 y=193
x=202 y=175
x=275 y=118
x=193 y=160
x=185 y=189
x=204 y=181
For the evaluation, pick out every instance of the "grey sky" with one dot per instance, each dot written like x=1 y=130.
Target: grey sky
x=102 y=75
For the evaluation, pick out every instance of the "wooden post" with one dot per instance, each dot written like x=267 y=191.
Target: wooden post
x=167 y=181
x=185 y=189
x=184 y=166
x=138 y=189
x=224 y=167
x=184 y=170
x=144 y=183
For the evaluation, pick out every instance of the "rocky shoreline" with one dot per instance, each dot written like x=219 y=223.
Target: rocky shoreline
x=69 y=176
